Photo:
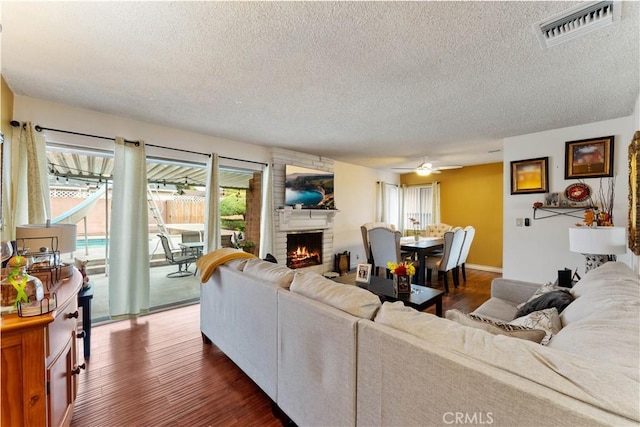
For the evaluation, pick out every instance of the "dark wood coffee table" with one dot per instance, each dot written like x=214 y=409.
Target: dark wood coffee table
x=421 y=297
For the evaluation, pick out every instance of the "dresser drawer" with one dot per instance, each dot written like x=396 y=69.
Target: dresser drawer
x=60 y=331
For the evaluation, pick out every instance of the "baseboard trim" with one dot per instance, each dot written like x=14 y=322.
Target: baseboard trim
x=484 y=268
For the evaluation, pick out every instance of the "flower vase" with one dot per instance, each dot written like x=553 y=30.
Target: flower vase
x=416 y=237
x=401 y=284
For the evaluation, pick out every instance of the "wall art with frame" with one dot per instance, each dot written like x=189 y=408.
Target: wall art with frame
x=530 y=176
x=634 y=184
x=589 y=158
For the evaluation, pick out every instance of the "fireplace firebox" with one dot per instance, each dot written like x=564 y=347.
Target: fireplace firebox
x=304 y=249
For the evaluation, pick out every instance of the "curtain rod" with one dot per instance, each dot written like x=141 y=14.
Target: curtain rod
x=39 y=128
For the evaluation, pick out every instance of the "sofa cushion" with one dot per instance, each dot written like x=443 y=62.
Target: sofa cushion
x=497 y=309
x=548 y=320
x=350 y=299
x=270 y=272
x=558 y=299
x=237 y=264
x=546 y=288
x=612 y=281
x=609 y=333
x=496 y=328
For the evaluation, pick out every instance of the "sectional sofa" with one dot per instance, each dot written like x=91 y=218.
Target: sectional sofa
x=331 y=354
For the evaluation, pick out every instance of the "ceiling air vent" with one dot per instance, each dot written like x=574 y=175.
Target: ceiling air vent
x=577 y=21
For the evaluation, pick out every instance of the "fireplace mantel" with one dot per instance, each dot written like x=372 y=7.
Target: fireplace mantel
x=305 y=219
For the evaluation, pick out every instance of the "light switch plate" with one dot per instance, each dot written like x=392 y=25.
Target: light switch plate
x=518 y=222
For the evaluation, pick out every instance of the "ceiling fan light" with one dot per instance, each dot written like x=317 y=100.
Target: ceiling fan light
x=423 y=171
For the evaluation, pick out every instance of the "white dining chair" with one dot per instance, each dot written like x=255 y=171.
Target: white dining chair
x=364 y=229
x=469 y=234
x=448 y=261
x=385 y=247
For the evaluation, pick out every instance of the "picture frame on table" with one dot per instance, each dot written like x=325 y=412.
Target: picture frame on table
x=552 y=200
x=363 y=273
x=589 y=158
x=530 y=176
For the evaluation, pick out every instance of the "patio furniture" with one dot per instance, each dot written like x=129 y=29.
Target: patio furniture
x=176 y=258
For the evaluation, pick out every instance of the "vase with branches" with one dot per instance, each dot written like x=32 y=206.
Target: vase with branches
x=602 y=201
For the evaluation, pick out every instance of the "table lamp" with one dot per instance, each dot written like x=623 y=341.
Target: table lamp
x=599 y=245
x=59 y=238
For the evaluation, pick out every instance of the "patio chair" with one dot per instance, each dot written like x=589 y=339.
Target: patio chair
x=176 y=258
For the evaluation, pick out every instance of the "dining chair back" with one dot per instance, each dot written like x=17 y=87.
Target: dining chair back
x=364 y=229
x=469 y=234
x=176 y=258
x=437 y=230
x=385 y=246
x=452 y=246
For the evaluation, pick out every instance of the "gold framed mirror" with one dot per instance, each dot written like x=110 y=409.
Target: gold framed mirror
x=634 y=184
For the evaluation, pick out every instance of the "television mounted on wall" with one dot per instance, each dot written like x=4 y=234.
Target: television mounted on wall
x=311 y=188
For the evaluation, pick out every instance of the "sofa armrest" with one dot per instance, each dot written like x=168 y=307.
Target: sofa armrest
x=513 y=290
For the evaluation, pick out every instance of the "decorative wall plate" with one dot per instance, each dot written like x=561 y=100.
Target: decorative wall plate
x=577 y=192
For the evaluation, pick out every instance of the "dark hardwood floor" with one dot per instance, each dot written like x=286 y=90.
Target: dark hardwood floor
x=155 y=370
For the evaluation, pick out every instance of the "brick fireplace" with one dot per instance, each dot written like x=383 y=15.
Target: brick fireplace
x=291 y=223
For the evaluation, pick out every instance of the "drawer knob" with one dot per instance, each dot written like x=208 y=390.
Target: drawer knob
x=78 y=369
x=73 y=315
x=80 y=335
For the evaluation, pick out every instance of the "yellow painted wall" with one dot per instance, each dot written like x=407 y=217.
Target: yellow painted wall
x=472 y=196
x=6 y=115
x=6 y=106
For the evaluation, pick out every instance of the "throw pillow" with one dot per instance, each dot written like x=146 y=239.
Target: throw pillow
x=496 y=328
x=547 y=320
x=558 y=299
x=544 y=289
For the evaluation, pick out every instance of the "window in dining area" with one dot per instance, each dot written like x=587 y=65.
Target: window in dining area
x=422 y=204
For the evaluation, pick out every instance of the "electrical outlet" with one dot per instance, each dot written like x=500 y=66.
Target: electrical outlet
x=518 y=222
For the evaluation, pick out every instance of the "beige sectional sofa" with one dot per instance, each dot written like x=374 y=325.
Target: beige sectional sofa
x=330 y=354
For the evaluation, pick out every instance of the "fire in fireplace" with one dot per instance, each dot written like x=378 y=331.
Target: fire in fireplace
x=304 y=249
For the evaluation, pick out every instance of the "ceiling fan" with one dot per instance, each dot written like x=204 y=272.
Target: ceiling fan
x=426 y=168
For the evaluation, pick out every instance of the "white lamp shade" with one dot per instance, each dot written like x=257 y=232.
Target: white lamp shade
x=598 y=241
x=36 y=236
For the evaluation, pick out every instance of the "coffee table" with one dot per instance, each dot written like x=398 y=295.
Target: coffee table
x=420 y=298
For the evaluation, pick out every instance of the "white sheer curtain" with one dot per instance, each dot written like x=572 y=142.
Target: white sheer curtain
x=212 y=205
x=381 y=201
x=27 y=194
x=266 y=214
x=421 y=203
x=129 y=248
x=435 y=202
x=38 y=181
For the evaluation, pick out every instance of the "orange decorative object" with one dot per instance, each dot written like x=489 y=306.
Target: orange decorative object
x=589 y=217
x=537 y=205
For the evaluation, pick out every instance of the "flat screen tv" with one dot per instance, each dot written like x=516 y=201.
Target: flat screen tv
x=311 y=188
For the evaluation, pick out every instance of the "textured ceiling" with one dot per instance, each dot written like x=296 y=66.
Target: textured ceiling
x=374 y=83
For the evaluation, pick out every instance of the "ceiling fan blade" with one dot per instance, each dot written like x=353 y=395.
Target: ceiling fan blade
x=405 y=169
x=444 y=168
x=436 y=171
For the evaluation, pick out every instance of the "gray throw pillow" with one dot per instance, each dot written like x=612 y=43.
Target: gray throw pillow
x=558 y=299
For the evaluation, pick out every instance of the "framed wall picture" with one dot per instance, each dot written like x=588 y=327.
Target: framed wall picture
x=589 y=158
x=634 y=184
x=530 y=176
x=363 y=273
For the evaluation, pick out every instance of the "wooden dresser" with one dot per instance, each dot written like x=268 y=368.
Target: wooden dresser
x=40 y=363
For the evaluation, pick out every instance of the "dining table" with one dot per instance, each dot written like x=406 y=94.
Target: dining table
x=422 y=248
